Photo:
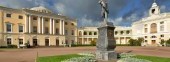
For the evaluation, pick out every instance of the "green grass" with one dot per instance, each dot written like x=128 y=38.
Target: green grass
x=64 y=57
x=57 y=58
x=153 y=58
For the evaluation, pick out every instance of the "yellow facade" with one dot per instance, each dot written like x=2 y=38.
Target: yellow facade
x=37 y=28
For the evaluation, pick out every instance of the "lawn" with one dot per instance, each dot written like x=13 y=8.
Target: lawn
x=57 y=58
x=153 y=58
x=64 y=57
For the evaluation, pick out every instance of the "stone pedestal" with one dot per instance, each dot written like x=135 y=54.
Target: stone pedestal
x=106 y=43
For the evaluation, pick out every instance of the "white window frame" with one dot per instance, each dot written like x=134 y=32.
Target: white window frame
x=22 y=28
x=7 y=27
x=11 y=40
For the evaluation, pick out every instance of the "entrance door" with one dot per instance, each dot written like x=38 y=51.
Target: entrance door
x=35 y=42
x=47 y=42
x=57 y=42
x=153 y=42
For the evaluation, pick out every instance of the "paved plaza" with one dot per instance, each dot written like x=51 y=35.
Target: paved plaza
x=29 y=55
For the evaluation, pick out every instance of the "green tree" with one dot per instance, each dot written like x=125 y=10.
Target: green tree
x=139 y=41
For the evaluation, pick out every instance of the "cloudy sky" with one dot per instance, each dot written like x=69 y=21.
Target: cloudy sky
x=87 y=12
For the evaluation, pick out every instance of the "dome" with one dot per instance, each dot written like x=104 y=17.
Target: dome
x=41 y=9
x=154 y=5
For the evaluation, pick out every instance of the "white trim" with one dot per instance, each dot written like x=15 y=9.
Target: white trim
x=11 y=40
x=54 y=27
x=22 y=28
x=11 y=27
x=30 y=26
x=42 y=25
x=51 y=26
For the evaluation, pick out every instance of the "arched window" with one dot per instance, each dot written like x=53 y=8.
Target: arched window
x=85 y=33
x=153 y=28
x=116 y=32
x=90 y=33
x=121 y=32
x=95 y=33
x=80 y=33
x=127 y=32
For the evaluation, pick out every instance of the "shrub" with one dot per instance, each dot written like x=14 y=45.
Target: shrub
x=130 y=59
x=134 y=42
x=122 y=44
x=78 y=45
x=12 y=46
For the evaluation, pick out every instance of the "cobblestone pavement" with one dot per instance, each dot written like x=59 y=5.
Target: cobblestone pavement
x=29 y=55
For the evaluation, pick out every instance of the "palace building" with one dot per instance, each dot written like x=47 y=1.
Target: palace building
x=88 y=34
x=36 y=26
x=153 y=28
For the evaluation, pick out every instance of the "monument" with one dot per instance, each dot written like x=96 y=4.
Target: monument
x=106 y=43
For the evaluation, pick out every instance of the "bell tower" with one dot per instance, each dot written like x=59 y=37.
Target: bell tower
x=154 y=10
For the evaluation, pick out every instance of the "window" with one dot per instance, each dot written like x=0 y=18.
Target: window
x=121 y=32
x=146 y=37
x=34 y=29
x=21 y=28
x=72 y=24
x=46 y=20
x=57 y=21
x=95 y=33
x=146 y=30
x=153 y=37
x=34 y=18
x=9 y=41
x=80 y=33
x=162 y=22
x=116 y=32
x=21 y=42
x=85 y=33
x=20 y=17
x=90 y=33
x=153 y=28
x=9 y=27
x=8 y=15
x=72 y=32
x=153 y=11
x=146 y=25
x=66 y=32
x=162 y=28
x=162 y=35
x=46 y=30
x=128 y=32
x=57 y=31
x=66 y=23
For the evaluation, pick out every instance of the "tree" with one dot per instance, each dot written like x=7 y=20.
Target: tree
x=139 y=41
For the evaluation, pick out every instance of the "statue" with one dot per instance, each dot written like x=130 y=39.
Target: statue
x=106 y=43
x=105 y=10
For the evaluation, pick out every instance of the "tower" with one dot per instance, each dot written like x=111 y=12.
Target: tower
x=154 y=10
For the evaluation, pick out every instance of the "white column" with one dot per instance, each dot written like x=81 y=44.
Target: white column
x=88 y=41
x=51 y=24
x=42 y=25
x=26 y=24
x=39 y=24
x=54 y=27
x=165 y=26
x=30 y=27
x=83 y=41
x=61 y=27
x=148 y=28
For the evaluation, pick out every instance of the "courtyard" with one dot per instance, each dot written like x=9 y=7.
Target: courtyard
x=29 y=55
